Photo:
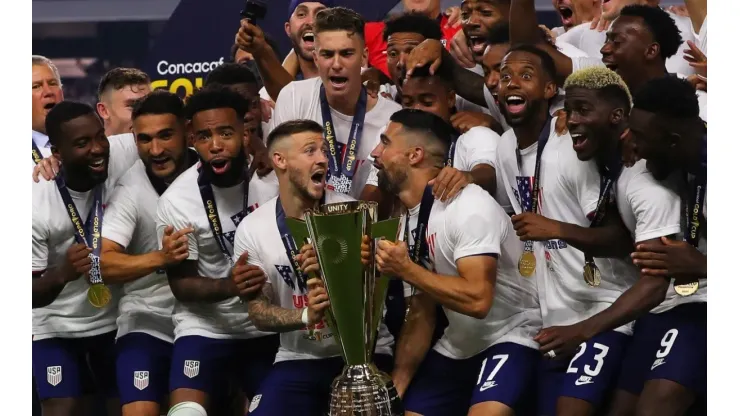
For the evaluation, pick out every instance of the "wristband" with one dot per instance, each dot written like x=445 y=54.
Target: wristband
x=304 y=316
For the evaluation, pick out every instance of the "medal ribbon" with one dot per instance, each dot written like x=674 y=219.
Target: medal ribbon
x=291 y=248
x=89 y=233
x=35 y=152
x=343 y=168
x=609 y=176
x=209 y=203
x=530 y=201
x=451 y=151
x=693 y=209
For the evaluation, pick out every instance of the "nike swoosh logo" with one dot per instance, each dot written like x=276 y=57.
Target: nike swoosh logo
x=655 y=365
x=581 y=383
x=486 y=387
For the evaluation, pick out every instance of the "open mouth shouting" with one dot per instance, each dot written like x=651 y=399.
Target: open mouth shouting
x=477 y=44
x=160 y=163
x=308 y=38
x=580 y=141
x=338 y=83
x=515 y=104
x=220 y=165
x=566 y=14
x=318 y=178
x=98 y=165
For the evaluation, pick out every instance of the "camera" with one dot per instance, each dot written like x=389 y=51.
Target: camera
x=254 y=10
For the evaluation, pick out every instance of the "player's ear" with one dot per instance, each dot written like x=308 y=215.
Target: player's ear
x=617 y=115
x=278 y=160
x=550 y=89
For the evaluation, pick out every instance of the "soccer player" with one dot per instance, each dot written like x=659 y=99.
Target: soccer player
x=309 y=358
x=574 y=12
x=131 y=256
x=666 y=365
x=463 y=256
x=118 y=91
x=47 y=92
x=337 y=100
x=479 y=18
x=555 y=195
x=215 y=342
x=73 y=329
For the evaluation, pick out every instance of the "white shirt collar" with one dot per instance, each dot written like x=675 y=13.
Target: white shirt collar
x=40 y=139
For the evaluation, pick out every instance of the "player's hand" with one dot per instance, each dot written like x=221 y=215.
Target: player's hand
x=373 y=78
x=48 y=168
x=247 y=278
x=534 y=227
x=629 y=149
x=366 y=250
x=392 y=258
x=428 y=52
x=696 y=58
x=175 y=244
x=251 y=38
x=678 y=9
x=77 y=263
x=453 y=17
x=563 y=340
x=561 y=123
x=460 y=50
x=307 y=259
x=699 y=82
x=318 y=301
x=600 y=24
x=548 y=34
x=449 y=182
x=267 y=107
x=670 y=258
x=466 y=120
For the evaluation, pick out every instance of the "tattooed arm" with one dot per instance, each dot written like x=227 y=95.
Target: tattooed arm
x=269 y=317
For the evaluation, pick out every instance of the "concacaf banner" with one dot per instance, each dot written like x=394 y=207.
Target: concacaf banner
x=200 y=33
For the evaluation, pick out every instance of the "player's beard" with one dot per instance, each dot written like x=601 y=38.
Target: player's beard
x=296 y=40
x=391 y=182
x=300 y=181
x=237 y=170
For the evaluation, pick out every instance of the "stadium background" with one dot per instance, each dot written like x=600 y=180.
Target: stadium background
x=86 y=38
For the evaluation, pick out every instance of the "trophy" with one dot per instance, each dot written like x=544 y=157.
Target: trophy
x=357 y=295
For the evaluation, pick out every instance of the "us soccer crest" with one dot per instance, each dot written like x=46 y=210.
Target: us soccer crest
x=141 y=379
x=54 y=375
x=191 y=368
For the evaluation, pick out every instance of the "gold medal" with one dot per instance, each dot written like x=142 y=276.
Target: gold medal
x=591 y=274
x=98 y=295
x=527 y=264
x=686 y=290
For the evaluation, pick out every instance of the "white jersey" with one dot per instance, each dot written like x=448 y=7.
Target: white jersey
x=701 y=37
x=672 y=298
x=182 y=206
x=591 y=41
x=569 y=192
x=147 y=303
x=71 y=315
x=300 y=100
x=259 y=236
x=473 y=224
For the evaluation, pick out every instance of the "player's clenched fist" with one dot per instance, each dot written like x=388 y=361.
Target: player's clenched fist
x=392 y=258
x=247 y=278
x=78 y=261
x=366 y=251
x=318 y=301
x=175 y=244
x=308 y=260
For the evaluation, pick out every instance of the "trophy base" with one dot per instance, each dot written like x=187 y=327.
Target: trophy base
x=363 y=390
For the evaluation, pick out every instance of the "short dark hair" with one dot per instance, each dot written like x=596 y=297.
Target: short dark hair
x=444 y=73
x=159 y=102
x=213 y=97
x=548 y=64
x=426 y=124
x=660 y=24
x=231 y=73
x=62 y=113
x=292 y=127
x=118 y=78
x=412 y=22
x=668 y=96
x=339 y=18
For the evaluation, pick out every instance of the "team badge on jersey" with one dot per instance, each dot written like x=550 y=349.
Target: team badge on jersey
x=255 y=402
x=54 y=375
x=141 y=379
x=191 y=368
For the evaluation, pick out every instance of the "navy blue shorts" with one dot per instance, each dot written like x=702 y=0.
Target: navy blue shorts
x=508 y=375
x=75 y=367
x=671 y=346
x=590 y=375
x=443 y=386
x=302 y=386
x=142 y=368
x=213 y=365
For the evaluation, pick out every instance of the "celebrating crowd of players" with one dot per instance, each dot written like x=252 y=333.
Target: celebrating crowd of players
x=551 y=184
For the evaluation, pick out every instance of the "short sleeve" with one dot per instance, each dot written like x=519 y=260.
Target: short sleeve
x=168 y=214
x=40 y=242
x=477 y=146
x=657 y=209
x=244 y=241
x=472 y=227
x=579 y=178
x=583 y=62
x=120 y=216
x=123 y=155
x=284 y=107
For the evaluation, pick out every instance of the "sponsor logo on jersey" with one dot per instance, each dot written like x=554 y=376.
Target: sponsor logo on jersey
x=487 y=385
x=141 y=379
x=54 y=375
x=657 y=363
x=191 y=368
x=584 y=380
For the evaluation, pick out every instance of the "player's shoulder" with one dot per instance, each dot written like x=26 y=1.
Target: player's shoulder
x=182 y=189
x=637 y=179
x=480 y=133
x=260 y=216
x=44 y=195
x=385 y=107
x=304 y=86
x=135 y=175
x=471 y=198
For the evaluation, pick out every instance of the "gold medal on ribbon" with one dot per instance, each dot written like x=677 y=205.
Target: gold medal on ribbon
x=527 y=264
x=687 y=289
x=591 y=274
x=98 y=295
